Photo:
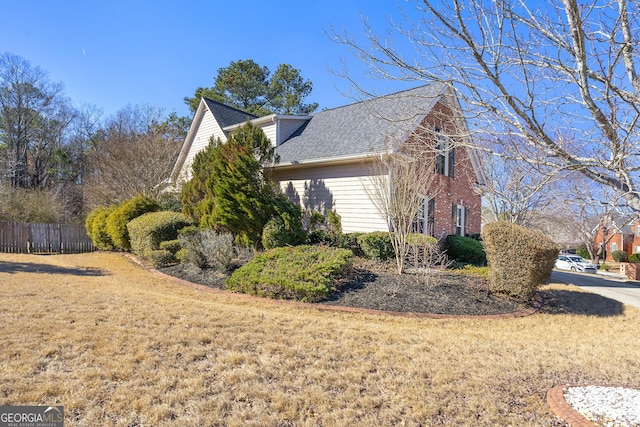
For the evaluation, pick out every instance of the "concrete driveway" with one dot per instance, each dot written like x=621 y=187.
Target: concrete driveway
x=618 y=289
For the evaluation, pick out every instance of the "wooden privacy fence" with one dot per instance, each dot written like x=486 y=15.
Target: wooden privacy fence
x=21 y=237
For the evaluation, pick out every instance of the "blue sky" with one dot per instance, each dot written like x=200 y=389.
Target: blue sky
x=114 y=53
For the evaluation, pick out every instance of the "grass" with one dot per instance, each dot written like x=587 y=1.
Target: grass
x=117 y=345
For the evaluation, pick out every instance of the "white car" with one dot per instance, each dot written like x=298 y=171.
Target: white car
x=575 y=263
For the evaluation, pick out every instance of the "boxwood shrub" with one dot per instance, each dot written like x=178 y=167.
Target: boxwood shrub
x=147 y=231
x=465 y=250
x=302 y=273
x=635 y=258
x=125 y=212
x=520 y=259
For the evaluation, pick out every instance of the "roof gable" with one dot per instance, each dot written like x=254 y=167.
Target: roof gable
x=226 y=115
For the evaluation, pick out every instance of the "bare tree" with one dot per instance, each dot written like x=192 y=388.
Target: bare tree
x=400 y=185
x=35 y=119
x=590 y=210
x=133 y=155
x=559 y=75
x=515 y=190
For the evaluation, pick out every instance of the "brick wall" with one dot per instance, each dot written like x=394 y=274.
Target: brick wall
x=447 y=191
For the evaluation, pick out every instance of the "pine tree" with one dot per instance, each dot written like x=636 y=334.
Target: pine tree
x=238 y=195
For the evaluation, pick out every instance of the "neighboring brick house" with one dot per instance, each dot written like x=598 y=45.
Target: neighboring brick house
x=622 y=235
x=326 y=158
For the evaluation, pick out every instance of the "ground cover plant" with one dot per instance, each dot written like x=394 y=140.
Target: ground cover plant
x=119 y=345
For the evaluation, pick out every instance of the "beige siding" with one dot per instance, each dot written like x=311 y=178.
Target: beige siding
x=208 y=127
x=270 y=131
x=334 y=187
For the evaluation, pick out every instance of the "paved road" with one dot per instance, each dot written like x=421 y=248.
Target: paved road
x=627 y=293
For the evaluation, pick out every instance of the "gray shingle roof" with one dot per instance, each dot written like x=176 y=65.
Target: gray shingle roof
x=226 y=115
x=361 y=128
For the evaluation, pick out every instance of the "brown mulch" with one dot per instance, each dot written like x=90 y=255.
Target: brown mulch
x=374 y=286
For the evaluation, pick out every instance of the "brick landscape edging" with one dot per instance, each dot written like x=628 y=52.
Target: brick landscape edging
x=529 y=311
x=560 y=407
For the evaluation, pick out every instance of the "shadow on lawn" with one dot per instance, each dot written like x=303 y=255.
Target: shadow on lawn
x=582 y=303
x=33 y=267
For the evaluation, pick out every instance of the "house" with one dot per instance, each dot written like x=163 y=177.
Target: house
x=326 y=158
x=622 y=234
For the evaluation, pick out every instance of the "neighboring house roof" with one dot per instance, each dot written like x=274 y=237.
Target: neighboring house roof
x=363 y=128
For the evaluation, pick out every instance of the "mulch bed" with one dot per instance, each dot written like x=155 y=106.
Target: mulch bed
x=377 y=287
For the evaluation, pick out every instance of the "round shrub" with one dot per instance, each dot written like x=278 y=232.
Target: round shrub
x=465 y=250
x=520 y=259
x=635 y=258
x=619 y=256
x=99 y=233
x=125 y=212
x=377 y=245
x=147 y=231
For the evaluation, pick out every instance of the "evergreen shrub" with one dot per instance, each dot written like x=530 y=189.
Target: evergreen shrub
x=172 y=246
x=125 y=212
x=285 y=228
x=583 y=252
x=635 y=258
x=619 y=256
x=99 y=232
x=161 y=258
x=376 y=245
x=520 y=259
x=465 y=250
x=304 y=273
x=147 y=231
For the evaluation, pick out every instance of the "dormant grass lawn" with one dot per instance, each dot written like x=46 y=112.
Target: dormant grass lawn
x=118 y=345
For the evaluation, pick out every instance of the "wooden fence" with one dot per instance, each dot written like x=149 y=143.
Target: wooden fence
x=20 y=237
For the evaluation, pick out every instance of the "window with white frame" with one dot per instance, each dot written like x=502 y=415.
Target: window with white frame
x=458 y=220
x=425 y=218
x=614 y=247
x=445 y=154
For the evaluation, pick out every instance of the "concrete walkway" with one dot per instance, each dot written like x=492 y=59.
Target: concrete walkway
x=609 y=285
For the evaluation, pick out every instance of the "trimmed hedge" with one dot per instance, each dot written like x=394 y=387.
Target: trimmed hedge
x=465 y=250
x=520 y=259
x=302 y=273
x=634 y=258
x=149 y=230
x=125 y=212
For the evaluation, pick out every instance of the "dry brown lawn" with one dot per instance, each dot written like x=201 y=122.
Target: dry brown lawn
x=118 y=345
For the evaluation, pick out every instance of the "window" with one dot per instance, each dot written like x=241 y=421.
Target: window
x=445 y=154
x=614 y=247
x=637 y=249
x=425 y=219
x=459 y=220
